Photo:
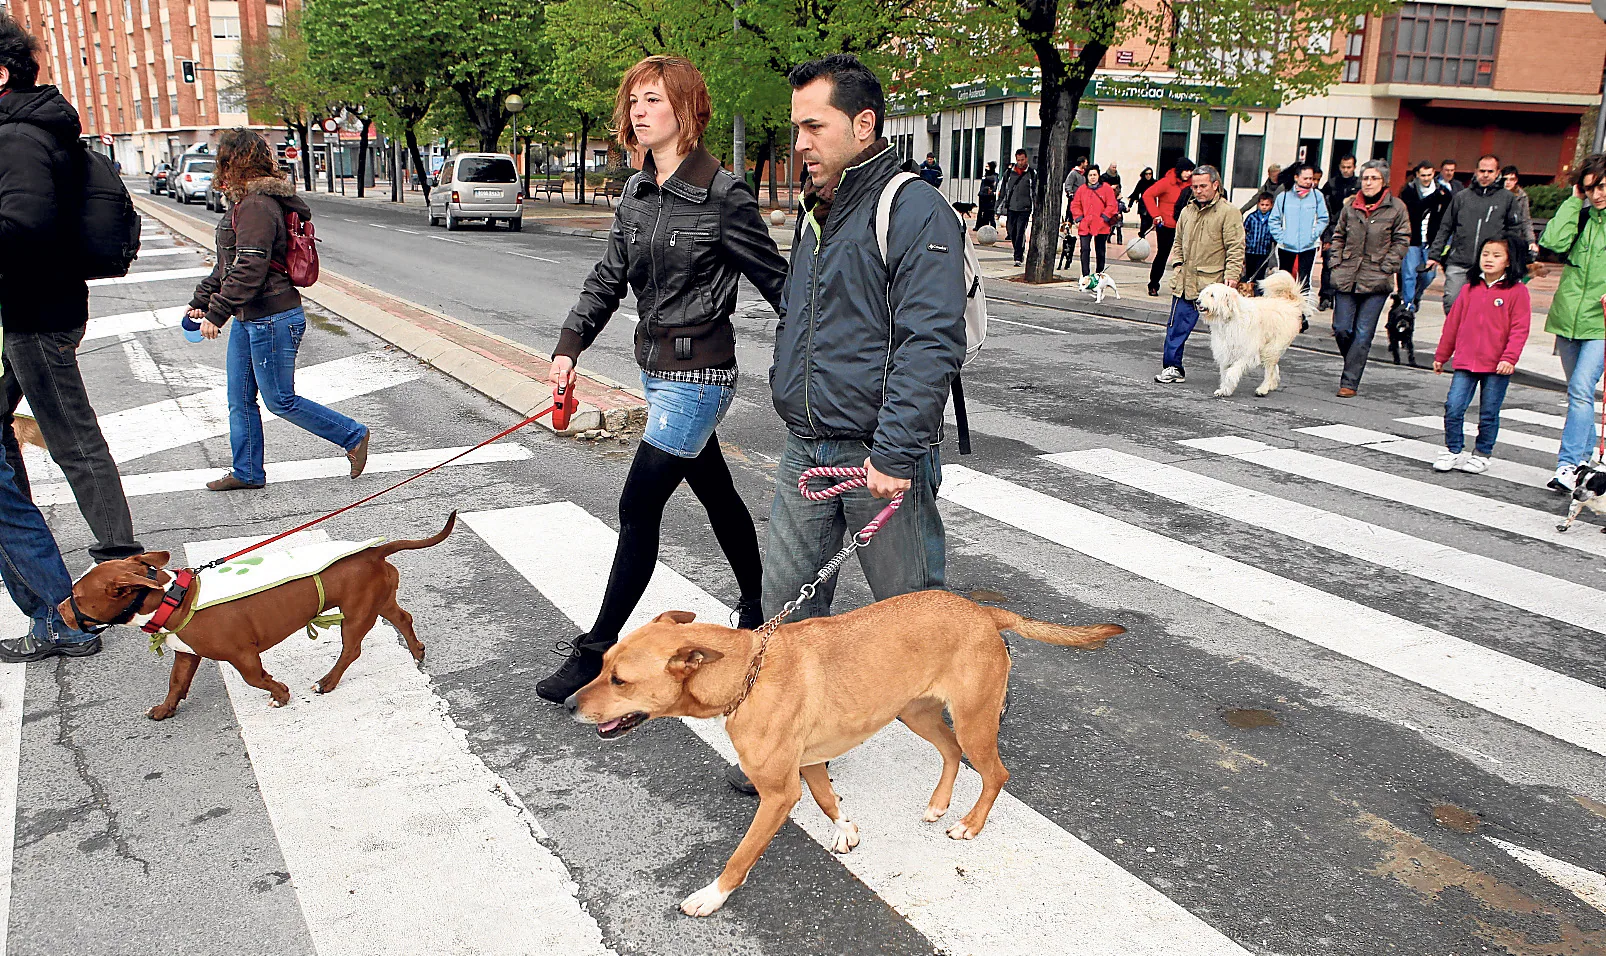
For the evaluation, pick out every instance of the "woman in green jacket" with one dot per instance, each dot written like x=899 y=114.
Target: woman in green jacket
x=1577 y=233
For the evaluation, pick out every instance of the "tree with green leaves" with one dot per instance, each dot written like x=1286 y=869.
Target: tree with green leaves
x=494 y=48
x=278 y=81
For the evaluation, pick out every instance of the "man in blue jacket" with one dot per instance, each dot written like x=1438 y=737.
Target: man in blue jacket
x=1298 y=218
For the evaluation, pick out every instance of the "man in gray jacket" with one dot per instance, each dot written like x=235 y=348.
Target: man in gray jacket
x=1481 y=211
x=865 y=350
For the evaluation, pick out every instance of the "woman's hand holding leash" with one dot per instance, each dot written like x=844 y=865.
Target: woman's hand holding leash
x=208 y=330
x=561 y=375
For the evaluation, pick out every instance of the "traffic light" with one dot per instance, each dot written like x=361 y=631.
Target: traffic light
x=188 y=68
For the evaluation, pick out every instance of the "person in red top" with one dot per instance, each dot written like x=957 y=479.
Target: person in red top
x=1485 y=332
x=1095 y=209
x=1161 y=202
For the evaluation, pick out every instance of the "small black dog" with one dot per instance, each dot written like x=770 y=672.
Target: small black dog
x=1589 y=492
x=1402 y=329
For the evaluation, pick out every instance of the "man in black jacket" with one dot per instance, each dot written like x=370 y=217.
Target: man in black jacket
x=1020 y=188
x=1481 y=211
x=1426 y=200
x=1337 y=190
x=44 y=301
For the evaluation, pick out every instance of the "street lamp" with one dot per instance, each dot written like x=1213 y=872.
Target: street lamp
x=515 y=104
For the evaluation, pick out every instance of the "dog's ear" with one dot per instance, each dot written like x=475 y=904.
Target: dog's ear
x=675 y=617
x=154 y=559
x=689 y=658
x=128 y=579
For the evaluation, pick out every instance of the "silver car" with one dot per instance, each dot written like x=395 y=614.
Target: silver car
x=189 y=181
x=477 y=186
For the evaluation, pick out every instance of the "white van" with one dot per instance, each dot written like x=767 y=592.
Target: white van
x=477 y=186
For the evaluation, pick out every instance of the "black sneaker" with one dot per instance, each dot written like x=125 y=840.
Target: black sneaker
x=749 y=615
x=582 y=667
x=738 y=780
x=27 y=648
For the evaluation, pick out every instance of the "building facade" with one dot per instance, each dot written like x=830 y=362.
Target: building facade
x=1429 y=81
x=120 y=63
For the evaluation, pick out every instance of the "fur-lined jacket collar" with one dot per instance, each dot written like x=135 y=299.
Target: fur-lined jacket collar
x=269 y=186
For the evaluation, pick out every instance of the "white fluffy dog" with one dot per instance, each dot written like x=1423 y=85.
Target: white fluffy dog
x=1249 y=331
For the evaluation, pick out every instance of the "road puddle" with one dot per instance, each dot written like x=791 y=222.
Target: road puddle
x=1247 y=718
x=1459 y=819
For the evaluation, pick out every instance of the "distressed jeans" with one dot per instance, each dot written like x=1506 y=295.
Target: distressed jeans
x=907 y=554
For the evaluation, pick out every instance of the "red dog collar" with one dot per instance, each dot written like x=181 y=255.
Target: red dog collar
x=171 y=600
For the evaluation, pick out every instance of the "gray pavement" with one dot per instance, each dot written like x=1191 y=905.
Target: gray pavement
x=1321 y=734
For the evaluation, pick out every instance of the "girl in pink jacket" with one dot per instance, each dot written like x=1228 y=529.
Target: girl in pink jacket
x=1485 y=332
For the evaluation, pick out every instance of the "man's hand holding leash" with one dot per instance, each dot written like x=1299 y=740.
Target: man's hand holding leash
x=883 y=486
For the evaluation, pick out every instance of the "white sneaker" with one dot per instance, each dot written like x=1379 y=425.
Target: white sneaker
x=1473 y=465
x=1171 y=375
x=1566 y=477
x=1450 y=460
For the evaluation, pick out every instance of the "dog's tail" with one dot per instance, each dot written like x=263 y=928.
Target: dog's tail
x=386 y=550
x=1281 y=284
x=1091 y=636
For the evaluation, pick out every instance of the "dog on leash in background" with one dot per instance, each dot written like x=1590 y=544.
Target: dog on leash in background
x=1589 y=492
x=1402 y=333
x=1247 y=332
x=1097 y=284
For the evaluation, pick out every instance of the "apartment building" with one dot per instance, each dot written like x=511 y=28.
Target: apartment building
x=119 y=62
x=1429 y=81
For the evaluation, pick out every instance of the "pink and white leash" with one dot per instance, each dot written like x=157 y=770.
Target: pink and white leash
x=856 y=478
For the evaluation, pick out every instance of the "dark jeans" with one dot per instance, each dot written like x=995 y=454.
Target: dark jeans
x=43 y=366
x=1297 y=264
x=987 y=213
x=1164 y=236
x=1257 y=265
x=907 y=554
x=1091 y=243
x=1184 y=316
x=1017 y=231
x=31 y=564
x=1492 y=389
x=1354 y=324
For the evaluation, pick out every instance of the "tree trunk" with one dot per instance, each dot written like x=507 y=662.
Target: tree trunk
x=418 y=161
x=770 y=143
x=362 y=154
x=304 y=137
x=586 y=119
x=488 y=115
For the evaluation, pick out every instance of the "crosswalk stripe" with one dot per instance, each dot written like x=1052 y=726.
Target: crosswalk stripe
x=1552 y=597
x=387 y=820
x=166 y=251
x=1451 y=502
x=110 y=326
x=164 y=482
x=1529 y=417
x=13 y=682
x=1587 y=885
x=1501 y=468
x=1507 y=436
x=1563 y=707
x=159 y=275
x=1004 y=892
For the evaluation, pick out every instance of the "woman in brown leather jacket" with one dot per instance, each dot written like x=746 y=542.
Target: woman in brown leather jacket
x=685 y=232
x=249 y=281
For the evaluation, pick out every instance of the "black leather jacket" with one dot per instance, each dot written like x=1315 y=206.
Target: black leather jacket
x=682 y=249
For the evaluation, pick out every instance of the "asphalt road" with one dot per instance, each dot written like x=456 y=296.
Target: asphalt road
x=1360 y=707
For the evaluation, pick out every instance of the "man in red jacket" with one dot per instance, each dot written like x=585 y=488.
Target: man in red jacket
x=1161 y=201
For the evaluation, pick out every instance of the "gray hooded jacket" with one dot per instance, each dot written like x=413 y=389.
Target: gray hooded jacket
x=858 y=356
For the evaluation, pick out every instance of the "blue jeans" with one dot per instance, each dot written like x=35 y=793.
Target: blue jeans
x=31 y=563
x=1412 y=285
x=907 y=554
x=681 y=416
x=1354 y=326
x=1184 y=316
x=1492 y=394
x=262 y=356
x=1582 y=360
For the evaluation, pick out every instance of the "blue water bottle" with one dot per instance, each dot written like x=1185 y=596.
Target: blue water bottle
x=192 y=329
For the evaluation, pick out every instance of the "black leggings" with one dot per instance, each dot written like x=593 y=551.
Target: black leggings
x=1089 y=244
x=654 y=476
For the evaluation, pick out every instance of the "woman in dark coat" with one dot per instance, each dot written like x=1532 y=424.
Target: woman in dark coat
x=1136 y=199
x=987 y=198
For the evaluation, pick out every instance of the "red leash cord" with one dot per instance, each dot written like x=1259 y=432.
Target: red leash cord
x=563 y=405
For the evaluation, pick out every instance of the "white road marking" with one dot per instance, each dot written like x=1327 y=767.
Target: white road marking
x=167 y=251
x=526 y=255
x=1530 y=417
x=378 y=225
x=1563 y=707
x=113 y=325
x=387 y=819
x=1470 y=427
x=13 y=681
x=1532 y=591
x=1003 y=893
x=410 y=232
x=1587 y=885
x=160 y=275
x=1028 y=325
x=449 y=239
x=164 y=482
x=1511 y=471
x=146 y=369
x=1428 y=496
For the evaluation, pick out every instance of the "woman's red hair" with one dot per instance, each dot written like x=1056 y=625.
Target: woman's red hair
x=688 y=97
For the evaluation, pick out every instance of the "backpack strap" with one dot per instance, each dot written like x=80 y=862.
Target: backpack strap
x=883 y=215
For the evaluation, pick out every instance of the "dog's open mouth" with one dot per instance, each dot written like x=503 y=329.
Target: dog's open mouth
x=620 y=726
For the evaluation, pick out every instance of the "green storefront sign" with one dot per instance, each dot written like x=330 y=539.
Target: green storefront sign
x=1103 y=89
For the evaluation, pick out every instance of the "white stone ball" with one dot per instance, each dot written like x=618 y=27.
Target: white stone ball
x=987 y=235
x=778 y=217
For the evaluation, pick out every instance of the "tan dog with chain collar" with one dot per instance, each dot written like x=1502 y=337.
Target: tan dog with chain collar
x=817 y=689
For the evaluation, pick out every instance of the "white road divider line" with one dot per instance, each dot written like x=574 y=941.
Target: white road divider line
x=1004 y=892
x=379 y=225
x=392 y=822
x=167 y=251
x=109 y=326
x=159 y=275
x=526 y=255
x=1428 y=496
x=1587 y=885
x=1528 y=417
x=449 y=239
x=1532 y=591
x=1470 y=427
x=165 y=482
x=13 y=682
x=1511 y=471
x=1565 y=708
x=410 y=232
x=1028 y=325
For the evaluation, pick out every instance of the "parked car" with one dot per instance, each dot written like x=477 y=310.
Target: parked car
x=157 y=184
x=214 y=196
x=477 y=186
x=190 y=181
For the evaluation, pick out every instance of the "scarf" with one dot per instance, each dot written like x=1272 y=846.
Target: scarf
x=1367 y=208
x=1302 y=192
x=823 y=194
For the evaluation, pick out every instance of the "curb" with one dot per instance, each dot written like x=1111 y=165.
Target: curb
x=507 y=372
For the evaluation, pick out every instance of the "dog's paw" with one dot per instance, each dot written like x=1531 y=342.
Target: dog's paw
x=160 y=712
x=962 y=831
x=1263 y=391
x=933 y=814
x=847 y=836
x=705 y=902
x=1222 y=393
x=1568 y=524
x=275 y=702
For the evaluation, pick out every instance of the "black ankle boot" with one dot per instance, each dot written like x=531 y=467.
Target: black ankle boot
x=749 y=614
x=582 y=667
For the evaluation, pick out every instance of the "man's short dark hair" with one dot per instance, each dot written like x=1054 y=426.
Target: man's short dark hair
x=1348 y=156
x=1489 y=156
x=1293 y=171
x=1593 y=166
x=1080 y=160
x=1447 y=162
x=931 y=155
x=1421 y=165
x=854 y=88
x=19 y=51
x=1020 y=152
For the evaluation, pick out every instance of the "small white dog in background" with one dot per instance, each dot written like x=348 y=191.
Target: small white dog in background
x=1097 y=284
x=1249 y=331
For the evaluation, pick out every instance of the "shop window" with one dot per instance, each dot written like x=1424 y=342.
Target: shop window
x=1006 y=147
x=953 y=153
x=1384 y=150
x=1353 y=47
x=1247 y=154
x=1213 y=140
x=961 y=170
x=981 y=163
x=1174 y=128
x=1030 y=143
x=1310 y=152
x=995 y=115
x=1083 y=134
x=1439 y=45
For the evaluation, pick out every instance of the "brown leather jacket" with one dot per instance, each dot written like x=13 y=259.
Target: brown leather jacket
x=1367 y=250
x=250 y=237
